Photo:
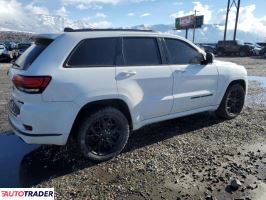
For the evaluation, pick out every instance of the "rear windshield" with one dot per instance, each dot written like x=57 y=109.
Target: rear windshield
x=28 y=57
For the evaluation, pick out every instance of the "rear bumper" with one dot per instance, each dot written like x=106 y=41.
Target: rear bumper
x=57 y=139
x=51 y=122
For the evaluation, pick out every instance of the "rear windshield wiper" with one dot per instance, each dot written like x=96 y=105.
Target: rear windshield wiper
x=15 y=64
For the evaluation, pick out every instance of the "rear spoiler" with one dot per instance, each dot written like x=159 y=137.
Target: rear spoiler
x=45 y=39
x=45 y=36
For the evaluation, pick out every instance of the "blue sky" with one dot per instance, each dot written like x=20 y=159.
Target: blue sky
x=54 y=15
x=134 y=12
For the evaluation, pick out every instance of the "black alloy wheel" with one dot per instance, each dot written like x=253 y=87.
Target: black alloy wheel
x=232 y=103
x=103 y=134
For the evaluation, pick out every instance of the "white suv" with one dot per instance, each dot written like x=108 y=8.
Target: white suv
x=99 y=85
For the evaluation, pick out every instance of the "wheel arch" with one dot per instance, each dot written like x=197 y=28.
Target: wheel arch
x=241 y=82
x=93 y=106
x=231 y=82
x=222 y=111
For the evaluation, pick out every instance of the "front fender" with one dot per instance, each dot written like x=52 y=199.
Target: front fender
x=228 y=72
x=224 y=85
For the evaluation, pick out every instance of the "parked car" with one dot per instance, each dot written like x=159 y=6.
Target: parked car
x=208 y=48
x=255 y=48
x=20 y=49
x=263 y=51
x=234 y=47
x=97 y=86
x=4 y=55
x=262 y=44
x=10 y=45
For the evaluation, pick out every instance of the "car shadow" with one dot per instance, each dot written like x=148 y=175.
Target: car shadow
x=42 y=163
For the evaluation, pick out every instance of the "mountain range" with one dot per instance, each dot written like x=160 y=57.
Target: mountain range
x=53 y=23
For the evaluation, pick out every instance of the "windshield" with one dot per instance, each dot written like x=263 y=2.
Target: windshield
x=28 y=57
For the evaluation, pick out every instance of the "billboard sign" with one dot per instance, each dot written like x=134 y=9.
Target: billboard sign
x=189 y=22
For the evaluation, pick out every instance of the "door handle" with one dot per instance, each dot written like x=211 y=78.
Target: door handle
x=180 y=71
x=129 y=73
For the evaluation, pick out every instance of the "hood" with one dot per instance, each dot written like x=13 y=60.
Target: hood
x=230 y=68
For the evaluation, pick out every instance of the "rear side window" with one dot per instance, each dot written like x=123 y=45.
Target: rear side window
x=94 y=52
x=182 y=53
x=141 y=51
x=27 y=58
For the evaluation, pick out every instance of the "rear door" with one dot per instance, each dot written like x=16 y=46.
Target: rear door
x=144 y=78
x=195 y=85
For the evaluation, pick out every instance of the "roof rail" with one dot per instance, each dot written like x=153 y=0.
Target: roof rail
x=67 y=29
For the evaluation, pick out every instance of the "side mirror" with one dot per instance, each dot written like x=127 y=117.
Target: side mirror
x=209 y=58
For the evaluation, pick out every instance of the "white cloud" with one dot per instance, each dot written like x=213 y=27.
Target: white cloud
x=131 y=14
x=15 y=16
x=178 y=3
x=90 y=1
x=61 y=11
x=145 y=15
x=101 y=15
x=37 y=9
x=201 y=10
x=11 y=12
x=86 y=4
x=180 y=13
x=85 y=7
x=247 y=21
x=96 y=4
x=82 y=6
x=140 y=1
x=101 y=24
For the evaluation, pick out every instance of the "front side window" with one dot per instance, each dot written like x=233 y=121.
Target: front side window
x=182 y=53
x=94 y=52
x=141 y=51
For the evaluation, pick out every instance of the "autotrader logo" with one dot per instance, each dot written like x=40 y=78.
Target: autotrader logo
x=27 y=193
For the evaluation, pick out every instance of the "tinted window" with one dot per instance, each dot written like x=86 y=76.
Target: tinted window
x=182 y=53
x=141 y=51
x=27 y=58
x=94 y=52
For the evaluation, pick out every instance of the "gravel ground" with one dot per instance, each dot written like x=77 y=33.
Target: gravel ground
x=195 y=157
x=256 y=66
x=4 y=95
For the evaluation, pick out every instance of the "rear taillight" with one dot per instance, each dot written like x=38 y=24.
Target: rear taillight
x=31 y=84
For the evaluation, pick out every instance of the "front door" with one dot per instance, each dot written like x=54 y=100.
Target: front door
x=195 y=85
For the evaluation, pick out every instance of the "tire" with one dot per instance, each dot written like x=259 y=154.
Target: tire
x=103 y=134
x=242 y=53
x=220 y=53
x=232 y=103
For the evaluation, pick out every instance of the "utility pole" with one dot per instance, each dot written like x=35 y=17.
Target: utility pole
x=186 y=33
x=226 y=20
x=194 y=29
x=237 y=15
x=230 y=4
